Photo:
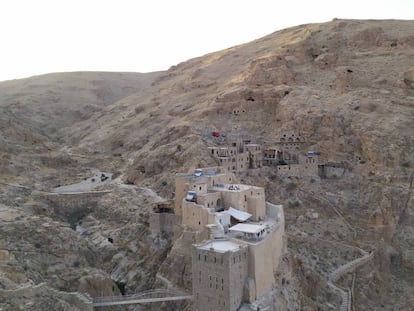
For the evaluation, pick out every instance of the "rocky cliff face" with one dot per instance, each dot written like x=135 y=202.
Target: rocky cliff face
x=347 y=87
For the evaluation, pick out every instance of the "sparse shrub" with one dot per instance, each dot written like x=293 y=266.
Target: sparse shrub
x=74 y=217
x=129 y=182
x=293 y=202
x=179 y=148
x=405 y=164
x=139 y=109
x=121 y=286
x=291 y=186
x=163 y=183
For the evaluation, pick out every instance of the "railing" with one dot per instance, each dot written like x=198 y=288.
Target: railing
x=149 y=296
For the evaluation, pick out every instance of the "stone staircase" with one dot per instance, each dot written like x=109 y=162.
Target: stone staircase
x=346 y=296
x=350 y=266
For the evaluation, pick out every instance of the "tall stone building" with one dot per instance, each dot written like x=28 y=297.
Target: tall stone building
x=238 y=238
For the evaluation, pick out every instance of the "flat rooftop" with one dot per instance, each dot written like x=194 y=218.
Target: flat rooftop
x=221 y=246
x=248 y=228
x=206 y=173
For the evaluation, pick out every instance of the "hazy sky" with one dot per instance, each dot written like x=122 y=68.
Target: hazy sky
x=42 y=36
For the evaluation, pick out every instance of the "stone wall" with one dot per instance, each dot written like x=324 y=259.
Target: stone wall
x=162 y=223
x=195 y=216
x=218 y=279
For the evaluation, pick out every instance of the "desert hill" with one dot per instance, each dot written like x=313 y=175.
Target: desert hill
x=53 y=101
x=346 y=86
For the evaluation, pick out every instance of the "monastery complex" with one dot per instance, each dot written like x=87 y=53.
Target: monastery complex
x=231 y=237
x=238 y=239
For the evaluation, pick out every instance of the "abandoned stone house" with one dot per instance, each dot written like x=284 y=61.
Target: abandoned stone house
x=238 y=238
x=232 y=157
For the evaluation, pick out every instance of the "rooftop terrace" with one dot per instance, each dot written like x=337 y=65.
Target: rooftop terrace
x=221 y=246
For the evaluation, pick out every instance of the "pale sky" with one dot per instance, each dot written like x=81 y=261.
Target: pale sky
x=43 y=36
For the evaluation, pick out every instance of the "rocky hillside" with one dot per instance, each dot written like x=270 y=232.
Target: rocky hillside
x=346 y=86
x=50 y=102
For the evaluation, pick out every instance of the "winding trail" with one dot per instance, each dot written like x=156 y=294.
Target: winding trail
x=351 y=266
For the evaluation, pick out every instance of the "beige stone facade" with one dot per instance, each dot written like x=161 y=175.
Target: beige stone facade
x=232 y=157
x=238 y=236
x=253 y=264
x=219 y=270
x=286 y=154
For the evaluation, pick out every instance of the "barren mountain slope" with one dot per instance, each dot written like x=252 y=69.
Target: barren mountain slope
x=33 y=110
x=346 y=86
x=50 y=102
